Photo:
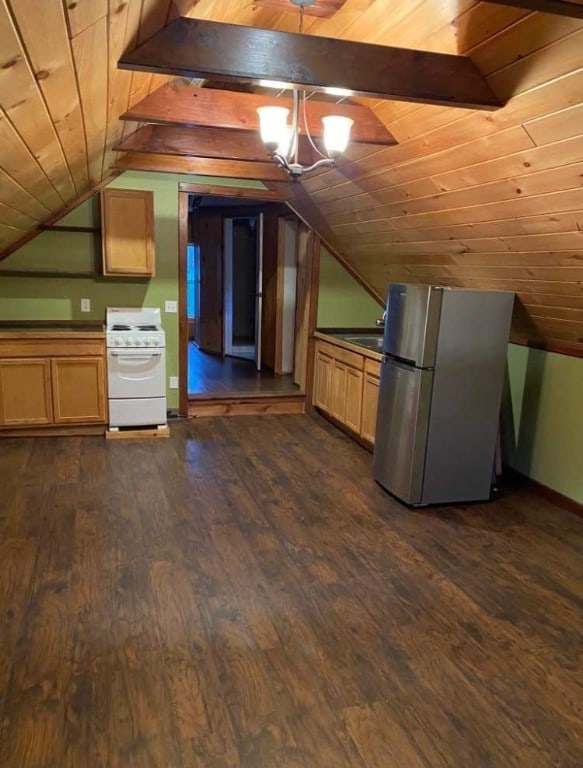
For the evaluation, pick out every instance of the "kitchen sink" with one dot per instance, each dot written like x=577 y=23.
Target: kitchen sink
x=370 y=341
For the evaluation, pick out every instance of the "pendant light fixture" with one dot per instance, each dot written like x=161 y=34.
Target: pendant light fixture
x=282 y=138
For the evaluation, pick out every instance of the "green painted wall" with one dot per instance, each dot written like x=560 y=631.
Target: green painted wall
x=543 y=435
x=54 y=298
x=342 y=302
x=543 y=418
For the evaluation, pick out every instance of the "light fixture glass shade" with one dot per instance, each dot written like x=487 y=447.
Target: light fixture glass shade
x=273 y=126
x=336 y=133
x=285 y=141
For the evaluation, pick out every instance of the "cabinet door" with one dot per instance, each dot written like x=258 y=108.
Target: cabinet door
x=370 y=397
x=323 y=375
x=353 y=403
x=338 y=390
x=78 y=390
x=25 y=392
x=128 y=232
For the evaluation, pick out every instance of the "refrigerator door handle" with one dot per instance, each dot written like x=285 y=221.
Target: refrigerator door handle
x=402 y=362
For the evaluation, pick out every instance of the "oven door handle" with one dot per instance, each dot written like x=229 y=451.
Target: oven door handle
x=122 y=353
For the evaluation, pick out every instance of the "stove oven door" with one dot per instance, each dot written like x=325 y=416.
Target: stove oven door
x=136 y=373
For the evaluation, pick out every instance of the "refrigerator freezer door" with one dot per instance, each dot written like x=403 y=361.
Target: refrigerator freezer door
x=412 y=323
x=401 y=432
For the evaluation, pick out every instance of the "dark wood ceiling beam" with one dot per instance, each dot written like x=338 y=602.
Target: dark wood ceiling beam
x=201 y=166
x=204 y=142
x=277 y=191
x=198 y=48
x=177 y=104
x=557 y=7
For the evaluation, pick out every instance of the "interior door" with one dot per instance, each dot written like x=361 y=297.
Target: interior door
x=259 y=291
x=208 y=234
x=228 y=346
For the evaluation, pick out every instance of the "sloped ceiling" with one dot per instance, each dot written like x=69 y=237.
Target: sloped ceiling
x=478 y=199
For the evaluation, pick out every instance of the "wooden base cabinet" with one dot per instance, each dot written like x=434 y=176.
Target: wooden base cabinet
x=25 y=393
x=353 y=404
x=346 y=386
x=78 y=390
x=52 y=383
x=338 y=384
x=323 y=377
x=370 y=396
x=338 y=390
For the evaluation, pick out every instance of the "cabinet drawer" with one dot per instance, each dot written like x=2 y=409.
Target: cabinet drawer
x=325 y=349
x=372 y=366
x=51 y=347
x=349 y=358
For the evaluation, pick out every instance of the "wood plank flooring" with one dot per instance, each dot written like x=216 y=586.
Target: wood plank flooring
x=209 y=375
x=243 y=595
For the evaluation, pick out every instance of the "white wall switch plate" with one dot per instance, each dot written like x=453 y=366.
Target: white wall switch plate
x=173 y=382
x=170 y=306
x=85 y=305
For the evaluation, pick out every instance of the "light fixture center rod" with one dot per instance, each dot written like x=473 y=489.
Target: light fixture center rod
x=302 y=4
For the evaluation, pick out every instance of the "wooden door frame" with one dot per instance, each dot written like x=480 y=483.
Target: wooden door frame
x=261 y=196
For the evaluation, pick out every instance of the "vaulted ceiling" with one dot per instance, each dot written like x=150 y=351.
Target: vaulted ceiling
x=471 y=198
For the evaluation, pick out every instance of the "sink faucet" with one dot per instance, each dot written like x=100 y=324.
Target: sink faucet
x=380 y=321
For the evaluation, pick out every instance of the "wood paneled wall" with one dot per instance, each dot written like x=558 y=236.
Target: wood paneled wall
x=60 y=98
x=480 y=200
x=491 y=200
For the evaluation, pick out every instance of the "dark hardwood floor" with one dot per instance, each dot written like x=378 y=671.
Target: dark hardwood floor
x=210 y=375
x=243 y=594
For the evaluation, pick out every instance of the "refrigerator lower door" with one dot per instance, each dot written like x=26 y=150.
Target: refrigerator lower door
x=401 y=431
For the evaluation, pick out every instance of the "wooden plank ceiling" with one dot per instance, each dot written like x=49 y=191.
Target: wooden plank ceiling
x=492 y=200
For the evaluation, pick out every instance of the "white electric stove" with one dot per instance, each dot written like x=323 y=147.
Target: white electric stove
x=136 y=367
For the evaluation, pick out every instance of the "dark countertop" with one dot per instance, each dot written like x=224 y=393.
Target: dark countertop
x=51 y=326
x=366 y=342
x=352 y=331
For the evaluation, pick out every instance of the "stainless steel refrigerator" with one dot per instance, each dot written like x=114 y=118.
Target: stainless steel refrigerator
x=444 y=354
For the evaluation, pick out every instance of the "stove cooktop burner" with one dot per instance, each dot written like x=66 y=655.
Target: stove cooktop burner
x=147 y=328
x=120 y=328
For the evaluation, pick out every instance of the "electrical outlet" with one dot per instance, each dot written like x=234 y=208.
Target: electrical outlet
x=170 y=306
x=174 y=382
x=85 y=305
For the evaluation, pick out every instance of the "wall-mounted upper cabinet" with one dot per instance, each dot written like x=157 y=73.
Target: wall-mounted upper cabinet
x=128 y=232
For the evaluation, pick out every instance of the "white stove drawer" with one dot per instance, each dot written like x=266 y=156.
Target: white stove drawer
x=137 y=412
x=136 y=373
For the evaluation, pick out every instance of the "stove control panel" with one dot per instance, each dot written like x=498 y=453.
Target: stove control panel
x=135 y=339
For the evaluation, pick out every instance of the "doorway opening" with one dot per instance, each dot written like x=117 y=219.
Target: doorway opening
x=241 y=285
x=243 y=256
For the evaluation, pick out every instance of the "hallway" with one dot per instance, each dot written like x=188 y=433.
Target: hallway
x=210 y=375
